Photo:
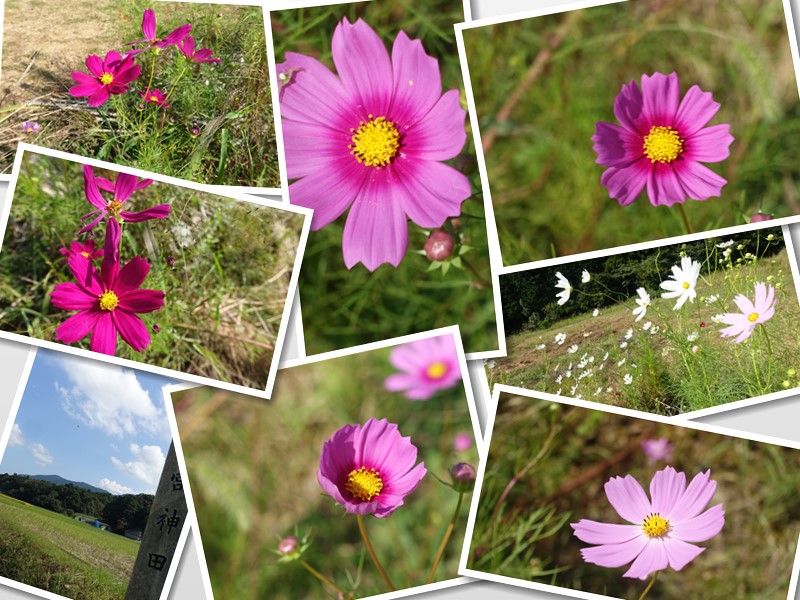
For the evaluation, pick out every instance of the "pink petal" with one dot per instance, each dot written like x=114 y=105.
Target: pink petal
x=85 y=274
x=70 y=296
x=628 y=107
x=84 y=89
x=104 y=335
x=398 y=382
x=132 y=329
x=628 y=498
x=95 y=65
x=331 y=488
x=142 y=301
x=660 y=96
x=77 y=326
x=594 y=532
x=697 y=495
x=110 y=265
x=663 y=186
x=680 y=553
x=186 y=46
x=440 y=135
x=149 y=24
x=177 y=35
x=615 y=146
x=103 y=183
x=90 y=188
x=615 y=555
x=161 y=211
x=653 y=558
x=666 y=488
x=92 y=225
x=111 y=61
x=99 y=97
x=376 y=230
x=127 y=75
x=313 y=94
x=374 y=441
x=417 y=80
x=700 y=528
x=744 y=304
x=625 y=184
x=132 y=275
x=698 y=181
x=697 y=108
x=330 y=190
x=405 y=484
x=430 y=192
x=709 y=144
x=364 y=67
x=123 y=186
x=310 y=148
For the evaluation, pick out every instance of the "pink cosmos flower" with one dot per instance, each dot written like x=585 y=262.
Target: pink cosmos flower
x=372 y=138
x=369 y=469
x=663 y=529
x=657 y=450
x=155 y=96
x=186 y=46
x=153 y=41
x=108 y=76
x=743 y=324
x=31 y=126
x=107 y=302
x=426 y=366
x=86 y=249
x=462 y=441
x=661 y=143
x=122 y=189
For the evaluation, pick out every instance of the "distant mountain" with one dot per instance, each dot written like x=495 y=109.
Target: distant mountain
x=58 y=480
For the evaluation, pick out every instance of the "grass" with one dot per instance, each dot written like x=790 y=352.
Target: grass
x=571 y=452
x=252 y=468
x=61 y=555
x=668 y=377
x=565 y=70
x=224 y=265
x=344 y=308
x=219 y=129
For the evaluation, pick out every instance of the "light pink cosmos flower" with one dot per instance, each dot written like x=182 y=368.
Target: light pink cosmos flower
x=187 y=45
x=462 y=442
x=743 y=324
x=661 y=143
x=663 y=529
x=657 y=450
x=372 y=138
x=426 y=366
x=369 y=469
x=155 y=96
x=107 y=302
x=122 y=188
x=108 y=76
x=151 y=37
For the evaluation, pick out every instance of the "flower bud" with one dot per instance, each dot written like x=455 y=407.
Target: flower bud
x=439 y=245
x=463 y=476
x=288 y=545
x=759 y=217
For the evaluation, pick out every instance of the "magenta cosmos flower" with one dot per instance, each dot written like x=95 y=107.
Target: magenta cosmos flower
x=663 y=529
x=151 y=37
x=107 y=302
x=369 y=469
x=371 y=138
x=108 y=76
x=122 y=189
x=187 y=45
x=86 y=249
x=743 y=324
x=661 y=143
x=155 y=96
x=426 y=366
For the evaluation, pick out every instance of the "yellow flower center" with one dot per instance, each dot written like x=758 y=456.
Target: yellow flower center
x=662 y=144
x=153 y=98
x=114 y=207
x=106 y=78
x=108 y=300
x=655 y=526
x=364 y=484
x=86 y=255
x=437 y=370
x=375 y=143
x=753 y=317
x=686 y=285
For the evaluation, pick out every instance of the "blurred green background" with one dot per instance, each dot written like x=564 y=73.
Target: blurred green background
x=252 y=466
x=343 y=308
x=571 y=452
x=546 y=191
x=224 y=265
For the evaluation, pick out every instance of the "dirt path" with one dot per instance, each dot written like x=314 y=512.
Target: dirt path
x=55 y=37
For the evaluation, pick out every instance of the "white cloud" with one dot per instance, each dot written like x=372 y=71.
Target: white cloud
x=41 y=454
x=114 y=487
x=16 y=438
x=147 y=464
x=109 y=398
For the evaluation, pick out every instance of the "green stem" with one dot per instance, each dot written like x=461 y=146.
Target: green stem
x=322 y=577
x=649 y=586
x=685 y=218
x=371 y=551
x=175 y=83
x=445 y=539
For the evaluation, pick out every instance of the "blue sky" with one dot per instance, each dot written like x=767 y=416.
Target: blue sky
x=90 y=421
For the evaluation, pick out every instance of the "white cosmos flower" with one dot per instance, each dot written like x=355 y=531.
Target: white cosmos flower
x=558 y=392
x=564 y=285
x=717 y=318
x=573 y=349
x=585 y=277
x=692 y=336
x=609 y=389
x=606 y=356
x=599 y=391
x=725 y=244
x=540 y=347
x=683 y=283
x=559 y=379
x=489 y=364
x=709 y=300
x=629 y=334
x=595 y=312
x=623 y=345
x=628 y=379
x=561 y=338
x=621 y=361
x=643 y=301
x=647 y=325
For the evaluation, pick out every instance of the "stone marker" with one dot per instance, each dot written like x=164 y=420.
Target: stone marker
x=161 y=534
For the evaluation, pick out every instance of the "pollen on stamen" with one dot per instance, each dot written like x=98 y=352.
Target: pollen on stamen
x=753 y=317
x=365 y=484
x=375 y=143
x=108 y=300
x=662 y=144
